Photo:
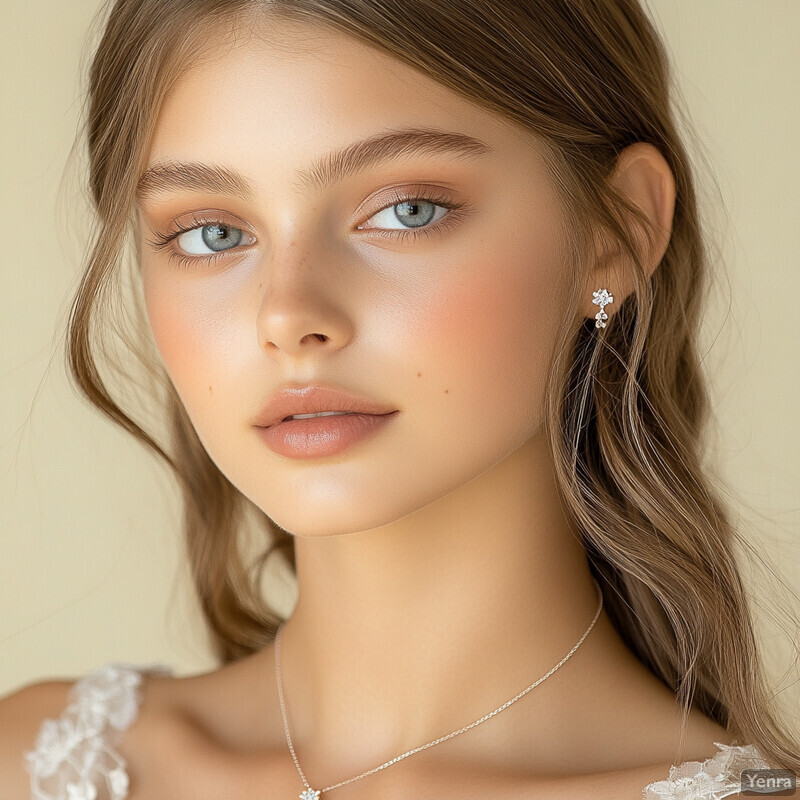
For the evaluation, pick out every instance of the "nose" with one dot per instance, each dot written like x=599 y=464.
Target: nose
x=302 y=309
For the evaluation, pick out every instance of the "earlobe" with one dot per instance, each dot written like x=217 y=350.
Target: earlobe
x=643 y=177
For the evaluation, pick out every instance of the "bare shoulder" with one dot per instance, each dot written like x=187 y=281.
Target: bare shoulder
x=629 y=783
x=23 y=712
x=698 y=744
x=21 y=715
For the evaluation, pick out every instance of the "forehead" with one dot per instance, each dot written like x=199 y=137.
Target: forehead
x=279 y=93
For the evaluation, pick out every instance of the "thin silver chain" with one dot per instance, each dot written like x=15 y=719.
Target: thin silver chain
x=436 y=741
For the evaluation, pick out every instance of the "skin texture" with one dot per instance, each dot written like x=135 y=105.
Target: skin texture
x=438 y=575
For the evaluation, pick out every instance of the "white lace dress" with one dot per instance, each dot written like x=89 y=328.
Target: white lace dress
x=712 y=779
x=74 y=756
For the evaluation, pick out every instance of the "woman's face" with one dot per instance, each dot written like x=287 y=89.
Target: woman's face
x=445 y=309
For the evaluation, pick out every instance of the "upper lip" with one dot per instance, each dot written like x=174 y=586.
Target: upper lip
x=292 y=400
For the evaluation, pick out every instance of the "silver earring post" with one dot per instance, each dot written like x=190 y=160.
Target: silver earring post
x=601 y=298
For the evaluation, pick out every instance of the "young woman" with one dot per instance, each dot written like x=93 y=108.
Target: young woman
x=466 y=235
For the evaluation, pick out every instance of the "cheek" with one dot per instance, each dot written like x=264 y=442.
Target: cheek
x=494 y=331
x=192 y=338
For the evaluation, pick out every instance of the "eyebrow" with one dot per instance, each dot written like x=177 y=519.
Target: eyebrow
x=323 y=173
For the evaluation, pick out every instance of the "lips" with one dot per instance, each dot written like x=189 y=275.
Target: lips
x=295 y=400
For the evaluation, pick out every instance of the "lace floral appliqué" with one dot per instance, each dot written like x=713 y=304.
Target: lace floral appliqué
x=74 y=757
x=712 y=779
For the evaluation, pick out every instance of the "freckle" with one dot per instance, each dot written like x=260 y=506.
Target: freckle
x=211 y=390
x=419 y=374
x=446 y=391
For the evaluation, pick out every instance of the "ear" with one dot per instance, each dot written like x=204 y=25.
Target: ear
x=644 y=178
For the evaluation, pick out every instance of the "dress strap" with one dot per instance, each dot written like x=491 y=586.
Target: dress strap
x=74 y=756
x=712 y=779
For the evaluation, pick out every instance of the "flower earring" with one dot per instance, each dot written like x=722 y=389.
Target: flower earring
x=601 y=298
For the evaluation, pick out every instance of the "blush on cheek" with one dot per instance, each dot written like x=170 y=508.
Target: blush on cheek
x=175 y=328
x=169 y=330
x=487 y=311
x=492 y=330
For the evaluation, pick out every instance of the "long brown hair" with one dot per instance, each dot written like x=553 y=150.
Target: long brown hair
x=625 y=409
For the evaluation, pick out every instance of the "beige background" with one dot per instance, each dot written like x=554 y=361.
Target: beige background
x=89 y=523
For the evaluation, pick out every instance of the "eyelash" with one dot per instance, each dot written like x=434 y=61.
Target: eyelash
x=163 y=241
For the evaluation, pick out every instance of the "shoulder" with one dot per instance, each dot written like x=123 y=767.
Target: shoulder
x=717 y=776
x=21 y=716
x=65 y=730
x=713 y=775
x=669 y=759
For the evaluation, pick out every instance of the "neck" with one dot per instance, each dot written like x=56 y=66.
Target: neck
x=409 y=631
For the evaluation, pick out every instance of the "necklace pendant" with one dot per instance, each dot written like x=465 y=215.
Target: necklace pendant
x=309 y=794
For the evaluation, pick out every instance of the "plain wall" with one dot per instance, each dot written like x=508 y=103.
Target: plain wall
x=90 y=547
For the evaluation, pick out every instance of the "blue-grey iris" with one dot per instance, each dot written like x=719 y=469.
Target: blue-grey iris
x=221 y=237
x=408 y=213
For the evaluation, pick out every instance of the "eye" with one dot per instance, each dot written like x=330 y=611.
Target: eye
x=213 y=238
x=412 y=212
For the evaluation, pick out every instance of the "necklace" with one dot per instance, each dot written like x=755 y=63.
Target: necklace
x=315 y=794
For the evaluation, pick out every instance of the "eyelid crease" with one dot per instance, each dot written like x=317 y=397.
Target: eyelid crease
x=162 y=241
x=396 y=196
x=197 y=219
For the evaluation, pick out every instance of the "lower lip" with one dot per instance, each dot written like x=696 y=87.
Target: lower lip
x=317 y=437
